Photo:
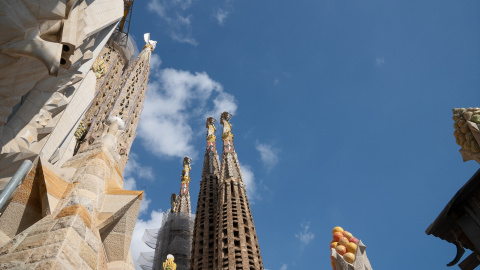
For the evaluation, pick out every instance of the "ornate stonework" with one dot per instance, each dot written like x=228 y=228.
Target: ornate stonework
x=120 y=94
x=224 y=234
x=467 y=132
x=76 y=217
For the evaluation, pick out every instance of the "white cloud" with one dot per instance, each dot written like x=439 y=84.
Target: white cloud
x=379 y=62
x=223 y=102
x=284 y=267
x=166 y=128
x=172 y=16
x=249 y=181
x=135 y=168
x=305 y=235
x=221 y=15
x=268 y=154
x=155 y=62
x=276 y=81
x=137 y=245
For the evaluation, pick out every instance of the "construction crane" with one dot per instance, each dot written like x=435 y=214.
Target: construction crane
x=127 y=15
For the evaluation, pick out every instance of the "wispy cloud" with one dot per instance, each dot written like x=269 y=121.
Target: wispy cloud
x=379 y=62
x=268 y=154
x=137 y=245
x=174 y=18
x=221 y=16
x=166 y=126
x=305 y=235
x=221 y=13
x=249 y=181
x=284 y=267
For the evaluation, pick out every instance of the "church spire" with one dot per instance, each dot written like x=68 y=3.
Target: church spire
x=120 y=96
x=204 y=230
x=230 y=167
x=181 y=203
x=236 y=246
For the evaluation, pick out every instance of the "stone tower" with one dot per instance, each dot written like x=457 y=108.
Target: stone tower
x=204 y=230
x=175 y=235
x=181 y=203
x=79 y=216
x=224 y=234
x=120 y=96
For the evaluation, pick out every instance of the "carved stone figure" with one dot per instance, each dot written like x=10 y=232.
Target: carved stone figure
x=210 y=125
x=227 y=127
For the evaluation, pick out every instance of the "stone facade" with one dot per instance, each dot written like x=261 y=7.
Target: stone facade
x=224 y=233
x=119 y=94
x=174 y=238
x=69 y=212
x=47 y=48
x=77 y=216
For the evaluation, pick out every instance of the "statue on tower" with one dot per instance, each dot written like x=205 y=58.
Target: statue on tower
x=227 y=127
x=169 y=264
x=186 y=170
x=149 y=43
x=210 y=125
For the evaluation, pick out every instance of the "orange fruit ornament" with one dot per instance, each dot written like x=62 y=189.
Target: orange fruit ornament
x=337 y=236
x=349 y=257
x=337 y=229
x=333 y=244
x=347 y=234
x=343 y=241
x=351 y=247
x=341 y=250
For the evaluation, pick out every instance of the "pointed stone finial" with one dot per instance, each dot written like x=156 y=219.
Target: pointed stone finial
x=149 y=43
x=227 y=127
x=169 y=264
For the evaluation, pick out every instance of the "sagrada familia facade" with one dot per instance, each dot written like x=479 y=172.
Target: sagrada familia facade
x=72 y=86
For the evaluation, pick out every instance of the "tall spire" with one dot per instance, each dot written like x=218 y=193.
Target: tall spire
x=204 y=230
x=236 y=246
x=181 y=203
x=230 y=168
x=121 y=97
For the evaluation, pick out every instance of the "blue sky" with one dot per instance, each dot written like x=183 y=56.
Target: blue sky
x=342 y=117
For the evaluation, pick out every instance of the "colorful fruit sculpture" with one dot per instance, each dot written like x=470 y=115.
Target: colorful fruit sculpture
x=344 y=244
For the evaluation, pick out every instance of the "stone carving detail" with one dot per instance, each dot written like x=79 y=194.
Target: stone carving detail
x=149 y=43
x=186 y=170
x=467 y=132
x=99 y=67
x=227 y=127
x=169 y=264
x=210 y=125
x=29 y=137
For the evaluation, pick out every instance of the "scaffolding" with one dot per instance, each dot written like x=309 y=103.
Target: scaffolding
x=173 y=237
